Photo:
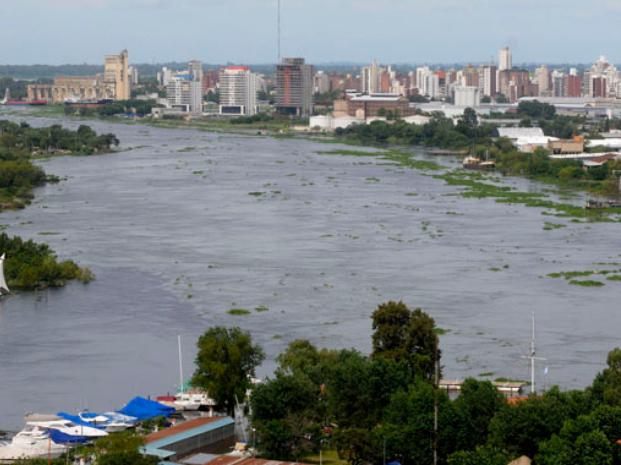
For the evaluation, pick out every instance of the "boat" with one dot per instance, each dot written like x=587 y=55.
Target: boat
x=4 y=288
x=473 y=163
x=111 y=422
x=70 y=428
x=187 y=399
x=595 y=204
x=30 y=443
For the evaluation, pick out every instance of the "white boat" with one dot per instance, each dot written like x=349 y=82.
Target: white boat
x=194 y=399
x=110 y=422
x=4 y=288
x=31 y=442
x=69 y=428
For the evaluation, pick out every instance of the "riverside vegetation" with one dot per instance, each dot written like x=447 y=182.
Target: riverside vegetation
x=372 y=409
x=30 y=265
x=469 y=135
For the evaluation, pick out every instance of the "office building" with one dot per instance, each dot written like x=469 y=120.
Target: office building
x=505 y=60
x=294 y=87
x=238 y=91
x=184 y=93
x=321 y=83
x=487 y=80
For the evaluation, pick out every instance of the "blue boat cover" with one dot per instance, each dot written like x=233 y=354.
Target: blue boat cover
x=62 y=438
x=77 y=420
x=145 y=409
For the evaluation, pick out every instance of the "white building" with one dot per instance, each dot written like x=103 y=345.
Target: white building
x=164 y=76
x=542 y=79
x=184 y=93
x=321 y=83
x=238 y=91
x=466 y=96
x=370 y=77
x=505 y=60
x=428 y=82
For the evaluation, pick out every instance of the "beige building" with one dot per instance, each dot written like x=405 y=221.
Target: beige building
x=115 y=84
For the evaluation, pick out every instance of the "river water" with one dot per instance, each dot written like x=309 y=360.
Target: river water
x=181 y=225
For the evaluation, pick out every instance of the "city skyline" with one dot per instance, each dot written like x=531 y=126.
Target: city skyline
x=352 y=31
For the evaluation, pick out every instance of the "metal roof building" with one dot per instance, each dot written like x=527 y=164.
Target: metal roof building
x=210 y=434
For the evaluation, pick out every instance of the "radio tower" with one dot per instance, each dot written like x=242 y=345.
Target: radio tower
x=278 y=34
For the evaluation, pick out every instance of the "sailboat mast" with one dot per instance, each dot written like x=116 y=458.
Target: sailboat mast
x=180 y=364
x=532 y=357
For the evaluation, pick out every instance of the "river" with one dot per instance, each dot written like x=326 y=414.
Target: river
x=180 y=226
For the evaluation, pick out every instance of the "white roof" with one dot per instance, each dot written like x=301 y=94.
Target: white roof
x=610 y=142
x=519 y=133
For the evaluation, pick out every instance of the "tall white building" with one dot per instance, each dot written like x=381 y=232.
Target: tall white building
x=164 y=76
x=370 y=77
x=321 y=82
x=196 y=70
x=542 y=79
x=428 y=82
x=238 y=91
x=505 y=60
x=185 y=93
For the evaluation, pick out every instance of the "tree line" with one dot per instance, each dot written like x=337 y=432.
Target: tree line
x=376 y=408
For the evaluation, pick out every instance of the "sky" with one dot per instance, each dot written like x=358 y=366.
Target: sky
x=322 y=31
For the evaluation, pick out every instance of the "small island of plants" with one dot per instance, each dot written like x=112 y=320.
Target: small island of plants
x=31 y=266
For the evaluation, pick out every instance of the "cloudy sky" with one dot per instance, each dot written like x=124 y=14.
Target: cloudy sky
x=244 y=31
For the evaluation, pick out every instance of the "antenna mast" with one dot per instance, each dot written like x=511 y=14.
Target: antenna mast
x=533 y=356
x=278 y=24
x=180 y=365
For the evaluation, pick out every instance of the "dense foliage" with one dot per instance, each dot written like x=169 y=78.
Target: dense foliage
x=30 y=265
x=26 y=140
x=374 y=409
x=469 y=135
x=19 y=142
x=225 y=363
x=121 y=107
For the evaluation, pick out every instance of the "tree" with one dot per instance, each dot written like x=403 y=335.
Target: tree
x=480 y=456
x=225 y=362
x=122 y=449
x=477 y=404
x=356 y=445
x=404 y=335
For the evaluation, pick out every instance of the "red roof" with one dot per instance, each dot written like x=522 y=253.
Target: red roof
x=179 y=428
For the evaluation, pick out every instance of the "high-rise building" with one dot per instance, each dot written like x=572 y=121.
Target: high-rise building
x=542 y=79
x=116 y=75
x=599 y=87
x=487 y=80
x=371 y=78
x=428 y=82
x=505 y=60
x=185 y=93
x=238 y=91
x=294 y=87
x=196 y=70
x=321 y=83
x=572 y=86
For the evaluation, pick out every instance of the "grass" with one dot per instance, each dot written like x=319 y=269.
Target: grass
x=614 y=277
x=441 y=331
x=238 y=312
x=486 y=374
x=586 y=283
x=261 y=308
x=329 y=457
x=402 y=158
x=256 y=194
x=547 y=226
x=476 y=188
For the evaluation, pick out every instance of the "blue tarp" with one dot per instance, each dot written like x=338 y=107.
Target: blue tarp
x=62 y=438
x=145 y=409
x=76 y=419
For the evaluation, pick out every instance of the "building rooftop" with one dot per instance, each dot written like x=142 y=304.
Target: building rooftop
x=183 y=427
x=519 y=133
x=236 y=460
